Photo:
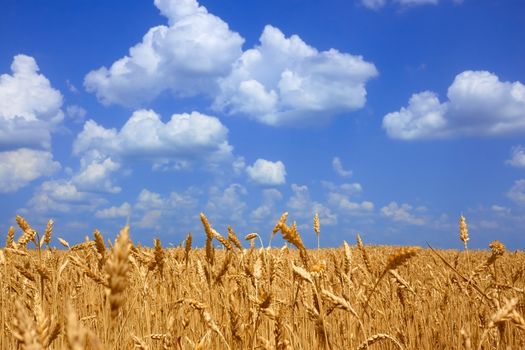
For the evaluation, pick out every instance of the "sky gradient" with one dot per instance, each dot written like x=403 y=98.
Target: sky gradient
x=388 y=118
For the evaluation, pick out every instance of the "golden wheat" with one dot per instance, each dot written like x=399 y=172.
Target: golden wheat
x=227 y=297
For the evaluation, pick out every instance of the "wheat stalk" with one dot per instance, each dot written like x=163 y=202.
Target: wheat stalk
x=117 y=268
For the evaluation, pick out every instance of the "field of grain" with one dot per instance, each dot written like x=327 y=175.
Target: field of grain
x=233 y=294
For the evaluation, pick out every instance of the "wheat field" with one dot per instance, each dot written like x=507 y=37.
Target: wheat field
x=236 y=294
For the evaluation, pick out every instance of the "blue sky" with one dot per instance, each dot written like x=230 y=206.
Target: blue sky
x=388 y=118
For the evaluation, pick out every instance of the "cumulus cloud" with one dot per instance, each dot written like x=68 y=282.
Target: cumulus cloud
x=281 y=81
x=285 y=81
x=122 y=211
x=517 y=192
x=478 y=104
x=30 y=108
x=424 y=117
x=266 y=172
x=337 y=165
x=185 y=57
x=19 y=167
x=517 y=158
x=95 y=175
x=179 y=143
x=401 y=213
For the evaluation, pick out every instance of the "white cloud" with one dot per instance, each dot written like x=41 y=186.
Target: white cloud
x=184 y=140
x=267 y=208
x=95 y=175
x=266 y=172
x=517 y=192
x=478 y=104
x=343 y=204
x=281 y=81
x=29 y=106
x=185 y=57
x=114 y=212
x=517 y=157
x=149 y=200
x=285 y=81
x=19 y=167
x=339 y=169
x=341 y=198
x=401 y=213
x=424 y=117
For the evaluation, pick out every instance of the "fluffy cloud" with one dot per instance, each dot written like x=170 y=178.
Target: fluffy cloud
x=401 y=213
x=182 y=141
x=266 y=172
x=114 y=212
x=29 y=106
x=19 y=167
x=424 y=117
x=517 y=157
x=337 y=165
x=185 y=57
x=517 y=192
x=95 y=175
x=286 y=81
x=478 y=104
x=281 y=81
x=377 y=4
